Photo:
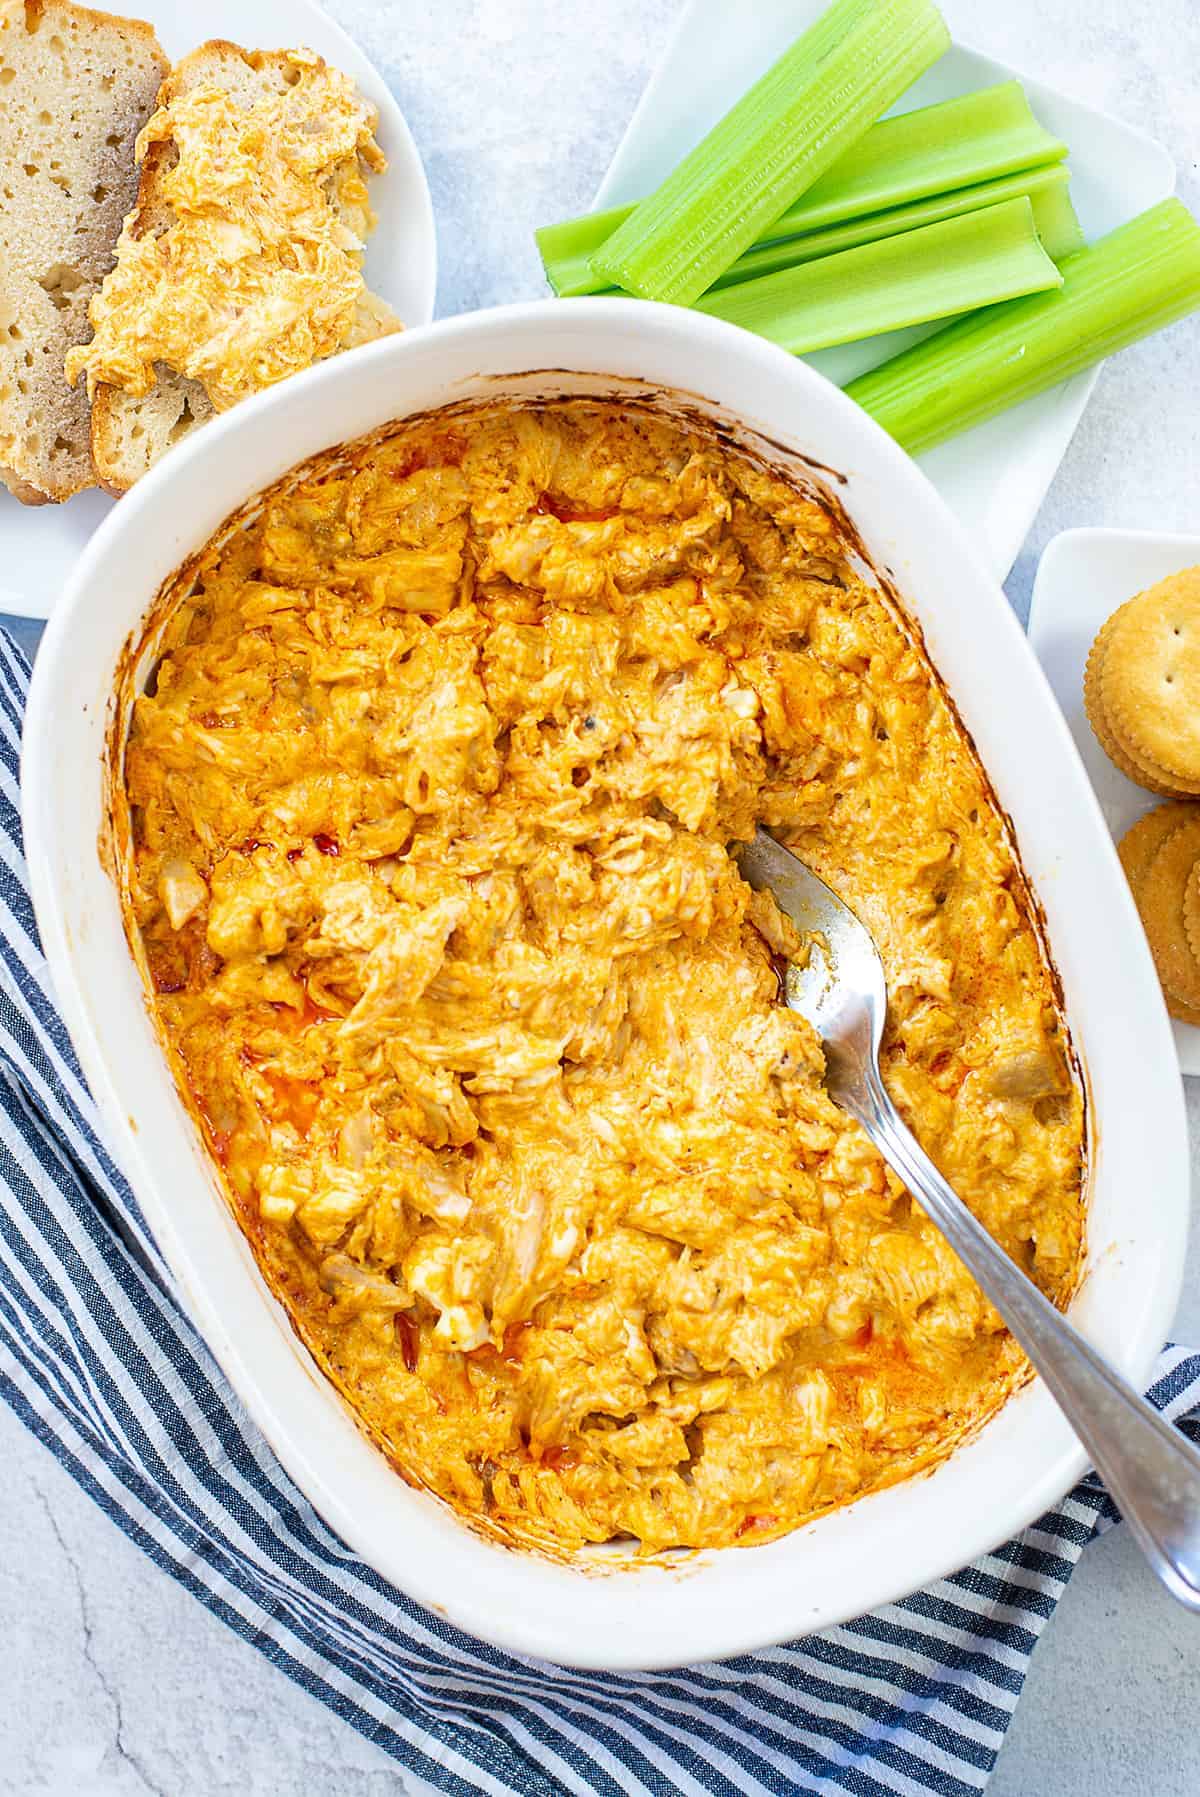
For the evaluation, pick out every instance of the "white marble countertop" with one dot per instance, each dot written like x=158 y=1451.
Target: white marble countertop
x=113 y=1681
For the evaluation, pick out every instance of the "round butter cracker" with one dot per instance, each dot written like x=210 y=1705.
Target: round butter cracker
x=1191 y=910
x=1160 y=899
x=1151 y=780
x=1142 y=841
x=1182 y=1013
x=1149 y=677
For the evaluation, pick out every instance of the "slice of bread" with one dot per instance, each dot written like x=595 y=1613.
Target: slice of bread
x=76 y=87
x=130 y=434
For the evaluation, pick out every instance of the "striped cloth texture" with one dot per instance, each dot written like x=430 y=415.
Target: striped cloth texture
x=101 y=1363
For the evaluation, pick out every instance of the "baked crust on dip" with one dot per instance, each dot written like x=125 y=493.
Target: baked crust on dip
x=425 y=823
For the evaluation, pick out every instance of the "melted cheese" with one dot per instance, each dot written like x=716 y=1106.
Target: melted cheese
x=430 y=808
x=259 y=272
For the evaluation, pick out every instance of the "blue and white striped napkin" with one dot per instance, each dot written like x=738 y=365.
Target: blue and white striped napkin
x=101 y=1363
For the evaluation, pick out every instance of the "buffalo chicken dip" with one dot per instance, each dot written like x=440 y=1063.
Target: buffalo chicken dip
x=423 y=823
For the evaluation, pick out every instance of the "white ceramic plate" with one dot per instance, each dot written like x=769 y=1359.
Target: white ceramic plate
x=1084 y=575
x=41 y=544
x=996 y=476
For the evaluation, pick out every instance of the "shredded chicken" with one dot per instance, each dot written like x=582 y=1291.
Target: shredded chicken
x=449 y=745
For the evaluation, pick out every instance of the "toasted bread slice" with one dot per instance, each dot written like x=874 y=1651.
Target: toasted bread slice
x=129 y=434
x=76 y=87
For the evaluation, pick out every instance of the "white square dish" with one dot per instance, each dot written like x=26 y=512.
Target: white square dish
x=1083 y=576
x=995 y=476
x=41 y=544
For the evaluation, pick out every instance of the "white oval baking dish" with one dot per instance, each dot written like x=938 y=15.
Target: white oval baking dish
x=717 y=1603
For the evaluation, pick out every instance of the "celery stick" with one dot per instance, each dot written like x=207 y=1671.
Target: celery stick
x=778 y=139
x=566 y=250
x=954 y=143
x=951 y=267
x=1047 y=189
x=1142 y=276
x=1054 y=214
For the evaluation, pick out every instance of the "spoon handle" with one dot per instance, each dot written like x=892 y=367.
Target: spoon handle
x=1152 y=1471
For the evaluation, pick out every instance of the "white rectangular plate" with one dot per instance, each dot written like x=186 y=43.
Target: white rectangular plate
x=40 y=544
x=995 y=476
x=1084 y=575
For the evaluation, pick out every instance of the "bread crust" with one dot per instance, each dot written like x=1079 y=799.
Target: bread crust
x=36 y=11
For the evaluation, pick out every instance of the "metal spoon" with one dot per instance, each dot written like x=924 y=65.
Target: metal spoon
x=1151 y=1470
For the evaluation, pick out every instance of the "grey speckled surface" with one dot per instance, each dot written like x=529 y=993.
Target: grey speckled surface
x=113 y=1681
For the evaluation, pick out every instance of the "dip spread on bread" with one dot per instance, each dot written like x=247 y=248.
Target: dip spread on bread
x=257 y=271
x=423 y=831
